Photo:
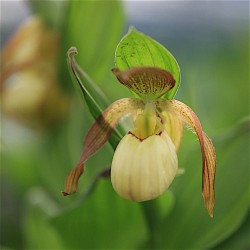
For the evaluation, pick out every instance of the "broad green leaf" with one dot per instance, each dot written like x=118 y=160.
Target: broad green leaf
x=239 y=239
x=137 y=50
x=181 y=229
x=36 y=229
x=206 y=80
x=102 y=221
x=94 y=27
x=96 y=46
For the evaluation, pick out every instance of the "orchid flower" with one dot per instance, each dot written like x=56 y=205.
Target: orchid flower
x=145 y=161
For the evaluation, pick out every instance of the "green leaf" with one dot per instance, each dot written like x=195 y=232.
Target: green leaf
x=188 y=225
x=51 y=12
x=37 y=231
x=102 y=221
x=137 y=50
x=93 y=96
x=238 y=240
x=94 y=27
x=96 y=46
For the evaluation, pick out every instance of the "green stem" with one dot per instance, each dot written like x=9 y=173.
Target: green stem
x=152 y=217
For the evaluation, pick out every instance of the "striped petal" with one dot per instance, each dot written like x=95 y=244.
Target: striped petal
x=207 y=150
x=147 y=82
x=98 y=134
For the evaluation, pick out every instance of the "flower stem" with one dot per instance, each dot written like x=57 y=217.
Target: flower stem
x=152 y=217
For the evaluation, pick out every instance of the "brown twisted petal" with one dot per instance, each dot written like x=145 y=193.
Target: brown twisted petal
x=207 y=150
x=147 y=82
x=209 y=174
x=71 y=182
x=98 y=134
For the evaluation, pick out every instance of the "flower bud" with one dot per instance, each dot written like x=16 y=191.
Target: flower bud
x=143 y=169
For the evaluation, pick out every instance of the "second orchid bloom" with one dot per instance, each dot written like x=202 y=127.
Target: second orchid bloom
x=145 y=161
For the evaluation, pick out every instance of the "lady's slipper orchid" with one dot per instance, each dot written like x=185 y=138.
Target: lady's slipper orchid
x=145 y=161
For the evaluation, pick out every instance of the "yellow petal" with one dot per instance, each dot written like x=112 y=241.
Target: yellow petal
x=174 y=128
x=143 y=169
x=145 y=123
x=207 y=150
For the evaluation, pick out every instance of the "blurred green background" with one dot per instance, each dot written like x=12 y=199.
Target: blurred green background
x=42 y=134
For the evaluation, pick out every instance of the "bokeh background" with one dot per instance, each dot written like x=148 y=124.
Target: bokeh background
x=44 y=121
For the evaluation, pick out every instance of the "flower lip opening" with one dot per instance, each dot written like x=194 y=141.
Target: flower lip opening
x=148 y=122
x=142 y=139
x=149 y=83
